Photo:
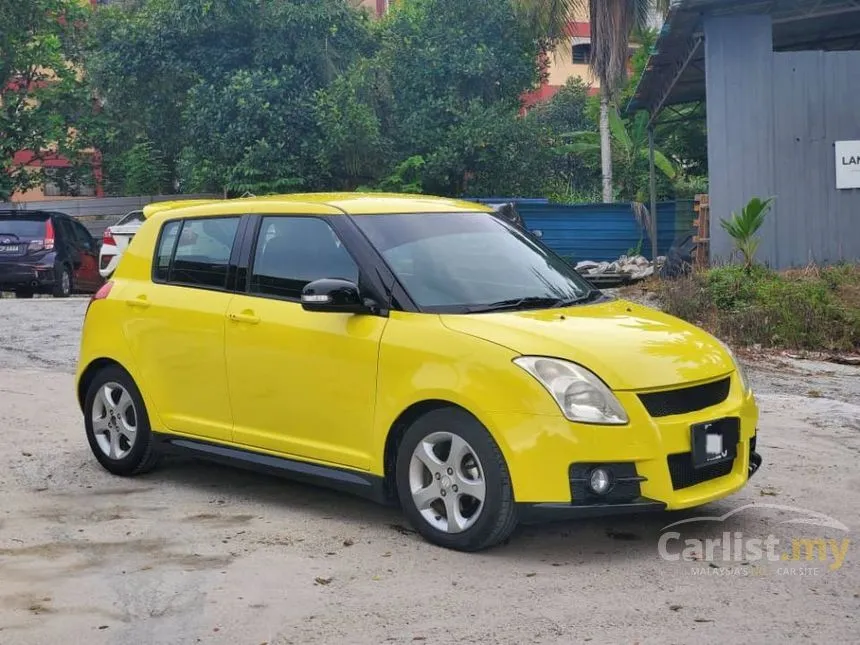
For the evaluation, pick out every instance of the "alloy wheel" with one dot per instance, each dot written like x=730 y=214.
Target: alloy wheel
x=114 y=420
x=447 y=482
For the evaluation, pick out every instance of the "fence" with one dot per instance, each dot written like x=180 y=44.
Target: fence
x=601 y=232
x=99 y=212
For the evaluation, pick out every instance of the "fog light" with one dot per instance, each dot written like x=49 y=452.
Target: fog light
x=600 y=481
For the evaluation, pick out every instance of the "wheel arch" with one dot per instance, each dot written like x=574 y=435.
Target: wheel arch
x=89 y=373
x=397 y=429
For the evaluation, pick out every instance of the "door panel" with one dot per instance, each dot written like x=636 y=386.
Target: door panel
x=301 y=383
x=176 y=326
x=177 y=337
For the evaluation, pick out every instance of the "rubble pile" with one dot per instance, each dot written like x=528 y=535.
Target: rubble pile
x=625 y=269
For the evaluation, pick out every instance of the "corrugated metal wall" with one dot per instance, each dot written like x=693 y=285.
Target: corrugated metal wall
x=739 y=68
x=603 y=232
x=816 y=98
x=773 y=119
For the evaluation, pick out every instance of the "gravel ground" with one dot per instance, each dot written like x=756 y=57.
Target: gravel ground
x=200 y=553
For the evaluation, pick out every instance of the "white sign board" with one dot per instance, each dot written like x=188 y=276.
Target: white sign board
x=847 y=164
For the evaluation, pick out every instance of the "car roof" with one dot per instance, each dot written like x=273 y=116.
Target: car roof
x=316 y=204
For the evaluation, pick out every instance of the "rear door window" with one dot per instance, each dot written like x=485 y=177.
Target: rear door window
x=200 y=257
x=82 y=235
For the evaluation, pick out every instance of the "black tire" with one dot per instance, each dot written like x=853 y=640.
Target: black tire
x=143 y=456
x=24 y=293
x=498 y=517
x=62 y=287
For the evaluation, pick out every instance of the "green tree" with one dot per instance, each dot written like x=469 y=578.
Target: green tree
x=225 y=90
x=612 y=23
x=142 y=170
x=444 y=87
x=572 y=175
x=45 y=106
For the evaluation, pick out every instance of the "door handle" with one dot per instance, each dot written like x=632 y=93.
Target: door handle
x=141 y=302
x=246 y=317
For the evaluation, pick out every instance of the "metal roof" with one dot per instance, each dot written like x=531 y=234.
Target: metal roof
x=675 y=73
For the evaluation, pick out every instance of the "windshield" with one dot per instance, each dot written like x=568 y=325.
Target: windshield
x=471 y=262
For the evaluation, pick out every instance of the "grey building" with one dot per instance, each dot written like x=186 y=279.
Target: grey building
x=779 y=81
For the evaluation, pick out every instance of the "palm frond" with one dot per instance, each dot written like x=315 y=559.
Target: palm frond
x=549 y=19
x=742 y=227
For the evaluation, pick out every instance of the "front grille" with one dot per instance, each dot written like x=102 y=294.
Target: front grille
x=688 y=399
x=685 y=475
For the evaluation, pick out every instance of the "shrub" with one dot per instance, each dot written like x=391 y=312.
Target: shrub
x=810 y=309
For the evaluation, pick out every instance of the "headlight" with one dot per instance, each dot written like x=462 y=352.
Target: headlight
x=742 y=375
x=580 y=394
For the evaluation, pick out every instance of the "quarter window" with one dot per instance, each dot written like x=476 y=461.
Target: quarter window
x=293 y=251
x=165 y=249
x=200 y=255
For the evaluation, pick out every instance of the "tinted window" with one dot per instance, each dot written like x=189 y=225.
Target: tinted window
x=22 y=227
x=292 y=251
x=82 y=235
x=165 y=249
x=202 y=252
x=456 y=261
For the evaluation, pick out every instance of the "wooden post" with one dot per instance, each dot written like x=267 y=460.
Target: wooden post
x=702 y=223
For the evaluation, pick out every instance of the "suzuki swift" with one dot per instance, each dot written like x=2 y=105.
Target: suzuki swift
x=407 y=349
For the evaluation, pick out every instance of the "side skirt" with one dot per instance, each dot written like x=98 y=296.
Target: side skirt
x=364 y=485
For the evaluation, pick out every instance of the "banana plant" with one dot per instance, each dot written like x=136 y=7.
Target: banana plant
x=743 y=226
x=630 y=153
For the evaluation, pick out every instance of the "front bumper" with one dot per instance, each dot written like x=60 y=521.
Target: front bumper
x=594 y=507
x=541 y=452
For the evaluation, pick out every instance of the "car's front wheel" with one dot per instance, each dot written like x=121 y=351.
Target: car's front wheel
x=453 y=482
x=117 y=424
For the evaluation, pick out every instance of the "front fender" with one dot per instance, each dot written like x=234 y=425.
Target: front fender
x=422 y=360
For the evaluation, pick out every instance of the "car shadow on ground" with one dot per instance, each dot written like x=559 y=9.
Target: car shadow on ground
x=231 y=484
x=627 y=537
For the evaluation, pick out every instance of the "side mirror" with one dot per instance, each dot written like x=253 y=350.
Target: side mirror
x=333 y=295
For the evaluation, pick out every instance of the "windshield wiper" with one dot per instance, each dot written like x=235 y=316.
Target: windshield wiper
x=530 y=302
x=591 y=296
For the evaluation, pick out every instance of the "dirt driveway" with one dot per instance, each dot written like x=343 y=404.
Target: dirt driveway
x=195 y=553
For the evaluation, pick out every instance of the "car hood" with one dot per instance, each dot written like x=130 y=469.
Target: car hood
x=629 y=346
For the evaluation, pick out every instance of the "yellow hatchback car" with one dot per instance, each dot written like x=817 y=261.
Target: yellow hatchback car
x=411 y=349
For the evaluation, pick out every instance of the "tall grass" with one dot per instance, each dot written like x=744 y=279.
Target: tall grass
x=813 y=308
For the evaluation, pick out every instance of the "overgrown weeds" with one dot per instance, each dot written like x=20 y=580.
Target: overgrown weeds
x=815 y=308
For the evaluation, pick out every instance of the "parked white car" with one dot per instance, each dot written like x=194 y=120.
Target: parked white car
x=116 y=239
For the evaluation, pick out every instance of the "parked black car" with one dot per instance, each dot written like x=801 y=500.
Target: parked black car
x=46 y=252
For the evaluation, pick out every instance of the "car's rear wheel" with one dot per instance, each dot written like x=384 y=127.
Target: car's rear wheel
x=62 y=282
x=117 y=424
x=453 y=482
